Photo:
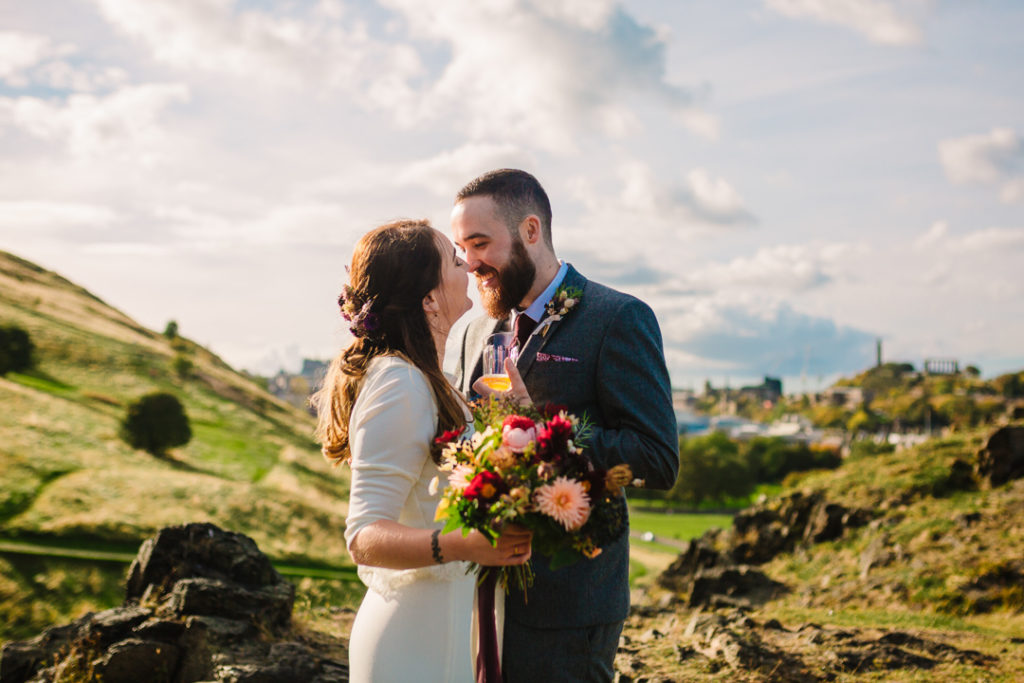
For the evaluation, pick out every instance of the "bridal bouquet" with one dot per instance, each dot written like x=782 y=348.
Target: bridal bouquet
x=527 y=467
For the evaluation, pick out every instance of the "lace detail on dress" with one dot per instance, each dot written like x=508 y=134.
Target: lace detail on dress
x=388 y=582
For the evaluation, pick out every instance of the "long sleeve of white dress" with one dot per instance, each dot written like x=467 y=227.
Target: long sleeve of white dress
x=392 y=425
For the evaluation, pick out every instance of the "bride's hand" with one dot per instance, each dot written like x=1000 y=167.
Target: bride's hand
x=512 y=548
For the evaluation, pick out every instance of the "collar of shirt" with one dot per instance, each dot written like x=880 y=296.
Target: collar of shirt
x=535 y=311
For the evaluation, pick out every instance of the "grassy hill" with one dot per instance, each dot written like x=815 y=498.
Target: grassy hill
x=929 y=586
x=69 y=480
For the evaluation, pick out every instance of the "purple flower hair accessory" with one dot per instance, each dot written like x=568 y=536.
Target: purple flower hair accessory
x=356 y=309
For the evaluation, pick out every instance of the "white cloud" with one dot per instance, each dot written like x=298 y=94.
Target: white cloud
x=555 y=70
x=992 y=239
x=123 y=123
x=46 y=215
x=696 y=203
x=314 y=49
x=752 y=335
x=19 y=52
x=782 y=267
x=993 y=158
x=934 y=235
x=876 y=20
x=446 y=172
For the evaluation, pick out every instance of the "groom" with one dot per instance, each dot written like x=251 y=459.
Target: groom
x=603 y=358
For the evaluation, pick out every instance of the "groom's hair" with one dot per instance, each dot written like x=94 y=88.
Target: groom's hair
x=517 y=194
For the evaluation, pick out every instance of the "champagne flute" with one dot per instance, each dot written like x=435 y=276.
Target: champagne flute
x=496 y=350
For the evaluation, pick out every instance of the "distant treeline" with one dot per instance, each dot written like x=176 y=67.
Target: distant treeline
x=717 y=469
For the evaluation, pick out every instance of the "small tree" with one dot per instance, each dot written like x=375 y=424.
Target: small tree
x=15 y=349
x=711 y=468
x=182 y=365
x=171 y=331
x=155 y=423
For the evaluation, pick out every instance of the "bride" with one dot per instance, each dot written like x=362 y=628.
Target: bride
x=383 y=404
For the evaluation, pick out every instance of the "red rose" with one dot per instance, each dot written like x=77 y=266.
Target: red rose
x=485 y=486
x=450 y=435
x=518 y=422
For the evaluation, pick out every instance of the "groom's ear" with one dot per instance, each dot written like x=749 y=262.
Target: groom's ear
x=529 y=229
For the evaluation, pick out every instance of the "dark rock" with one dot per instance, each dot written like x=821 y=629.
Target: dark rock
x=961 y=477
x=110 y=626
x=20 y=660
x=968 y=519
x=198 y=551
x=269 y=605
x=697 y=554
x=213 y=604
x=732 y=586
x=880 y=658
x=226 y=630
x=1002 y=458
x=996 y=587
x=826 y=523
x=133 y=660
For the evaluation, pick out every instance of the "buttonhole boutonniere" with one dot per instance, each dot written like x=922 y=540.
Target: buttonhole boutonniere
x=564 y=300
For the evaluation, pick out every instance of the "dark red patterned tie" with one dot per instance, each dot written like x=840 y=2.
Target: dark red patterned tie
x=522 y=328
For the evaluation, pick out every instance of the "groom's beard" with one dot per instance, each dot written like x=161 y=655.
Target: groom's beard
x=514 y=281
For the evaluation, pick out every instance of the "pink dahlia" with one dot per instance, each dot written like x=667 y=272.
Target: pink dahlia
x=564 y=500
x=460 y=477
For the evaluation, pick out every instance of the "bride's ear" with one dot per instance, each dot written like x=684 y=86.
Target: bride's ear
x=430 y=304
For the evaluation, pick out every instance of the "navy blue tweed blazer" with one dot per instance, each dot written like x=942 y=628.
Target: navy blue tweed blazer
x=604 y=359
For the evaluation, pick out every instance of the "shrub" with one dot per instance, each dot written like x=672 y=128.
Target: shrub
x=711 y=468
x=182 y=365
x=15 y=349
x=155 y=423
x=171 y=331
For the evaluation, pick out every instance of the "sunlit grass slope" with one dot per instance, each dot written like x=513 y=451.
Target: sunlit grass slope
x=251 y=466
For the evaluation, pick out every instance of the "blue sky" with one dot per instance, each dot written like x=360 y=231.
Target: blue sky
x=784 y=181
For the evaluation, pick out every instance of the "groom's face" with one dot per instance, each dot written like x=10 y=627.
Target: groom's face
x=504 y=270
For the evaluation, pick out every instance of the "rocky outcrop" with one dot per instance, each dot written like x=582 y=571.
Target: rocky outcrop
x=730 y=640
x=1002 y=457
x=202 y=604
x=757 y=535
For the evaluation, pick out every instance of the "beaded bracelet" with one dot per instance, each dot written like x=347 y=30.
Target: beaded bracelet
x=435 y=547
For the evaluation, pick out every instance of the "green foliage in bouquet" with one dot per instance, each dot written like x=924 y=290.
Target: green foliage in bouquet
x=525 y=466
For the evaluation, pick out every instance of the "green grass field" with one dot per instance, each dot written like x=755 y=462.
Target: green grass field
x=679 y=527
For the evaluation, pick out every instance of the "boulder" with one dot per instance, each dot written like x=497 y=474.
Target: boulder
x=740 y=586
x=1002 y=458
x=198 y=551
x=201 y=603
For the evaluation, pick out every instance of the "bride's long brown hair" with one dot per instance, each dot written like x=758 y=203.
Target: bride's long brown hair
x=393 y=267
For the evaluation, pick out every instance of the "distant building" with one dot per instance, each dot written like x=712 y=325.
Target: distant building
x=770 y=390
x=941 y=366
x=850 y=398
x=296 y=389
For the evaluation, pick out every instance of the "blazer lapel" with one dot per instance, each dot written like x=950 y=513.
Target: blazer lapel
x=540 y=338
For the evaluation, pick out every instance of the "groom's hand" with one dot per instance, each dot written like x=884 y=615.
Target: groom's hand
x=517 y=392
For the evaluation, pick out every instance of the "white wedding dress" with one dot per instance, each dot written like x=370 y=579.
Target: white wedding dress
x=414 y=624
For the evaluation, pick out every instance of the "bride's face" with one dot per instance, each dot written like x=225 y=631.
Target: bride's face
x=452 y=294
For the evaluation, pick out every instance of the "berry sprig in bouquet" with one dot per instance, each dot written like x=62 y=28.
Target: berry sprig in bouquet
x=527 y=467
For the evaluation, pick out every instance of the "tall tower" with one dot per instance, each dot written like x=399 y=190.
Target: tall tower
x=878 y=352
